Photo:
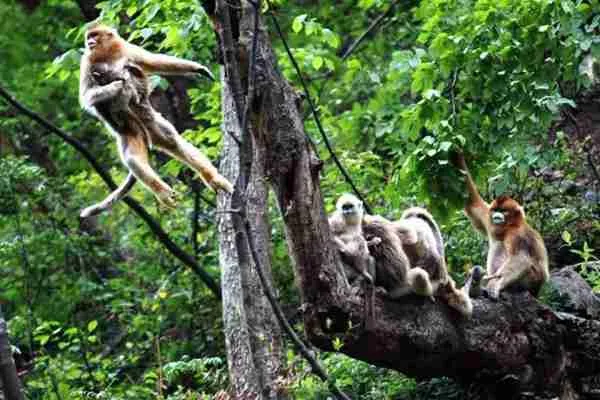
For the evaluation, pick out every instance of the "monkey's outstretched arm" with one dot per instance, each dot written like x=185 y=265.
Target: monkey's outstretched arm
x=476 y=208
x=115 y=196
x=166 y=65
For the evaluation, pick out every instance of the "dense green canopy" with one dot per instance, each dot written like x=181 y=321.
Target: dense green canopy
x=107 y=311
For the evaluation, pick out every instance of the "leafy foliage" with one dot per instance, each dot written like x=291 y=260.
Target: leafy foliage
x=109 y=314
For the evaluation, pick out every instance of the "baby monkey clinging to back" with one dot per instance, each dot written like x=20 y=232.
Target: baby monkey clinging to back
x=408 y=253
x=112 y=77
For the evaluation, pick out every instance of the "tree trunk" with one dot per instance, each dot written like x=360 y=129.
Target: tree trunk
x=253 y=338
x=11 y=385
x=513 y=348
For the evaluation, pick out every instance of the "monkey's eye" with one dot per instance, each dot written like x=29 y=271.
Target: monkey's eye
x=347 y=206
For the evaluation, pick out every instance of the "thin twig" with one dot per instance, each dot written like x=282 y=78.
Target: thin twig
x=316 y=115
x=154 y=226
x=374 y=25
x=195 y=222
x=453 y=98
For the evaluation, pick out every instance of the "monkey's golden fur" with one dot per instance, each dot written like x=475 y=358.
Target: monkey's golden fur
x=517 y=258
x=107 y=58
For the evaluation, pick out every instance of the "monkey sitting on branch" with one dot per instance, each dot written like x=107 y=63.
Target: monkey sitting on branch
x=364 y=240
x=114 y=87
x=346 y=227
x=423 y=244
x=517 y=258
x=408 y=253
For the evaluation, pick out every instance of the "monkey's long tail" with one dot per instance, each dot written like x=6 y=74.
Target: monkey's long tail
x=110 y=201
x=419 y=212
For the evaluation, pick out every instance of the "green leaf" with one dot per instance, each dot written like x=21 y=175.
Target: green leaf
x=431 y=93
x=566 y=236
x=43 y=339
x=445 y=146
x=317 y=63
x=298 y=23
x=92 y=325
x=132 y=9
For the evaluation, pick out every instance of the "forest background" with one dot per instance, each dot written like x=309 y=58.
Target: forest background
x=125 y=307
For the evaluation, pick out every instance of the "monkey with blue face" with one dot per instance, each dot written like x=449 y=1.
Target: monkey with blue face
x=517 y=257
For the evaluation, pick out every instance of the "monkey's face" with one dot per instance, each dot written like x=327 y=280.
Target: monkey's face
x=351 y=209
x=505 y=211
x=99 y=38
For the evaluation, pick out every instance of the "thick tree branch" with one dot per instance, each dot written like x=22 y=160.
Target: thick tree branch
x=245 y=241
x=316 y=117
x=517 y=339
x=154 y=226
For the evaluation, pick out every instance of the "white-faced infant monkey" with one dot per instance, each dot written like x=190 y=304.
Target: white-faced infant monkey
x=517 y=257
x=423 y=244
x=123 y=105
x=346 y=226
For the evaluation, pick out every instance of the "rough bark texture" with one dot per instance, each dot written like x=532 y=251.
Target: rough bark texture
x=11 y=384
x=513 y=348
x=253 y=338
x=574 y=293
x=242 y=372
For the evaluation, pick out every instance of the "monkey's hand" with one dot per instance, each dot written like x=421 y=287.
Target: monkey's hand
x=204 y=71
x=458 y=160
x=374 y=241
x=97 y=94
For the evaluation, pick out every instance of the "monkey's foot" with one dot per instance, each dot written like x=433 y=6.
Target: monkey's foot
x=491 y=293
x=473 y=283
x=167 y=198
x=217 y=182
